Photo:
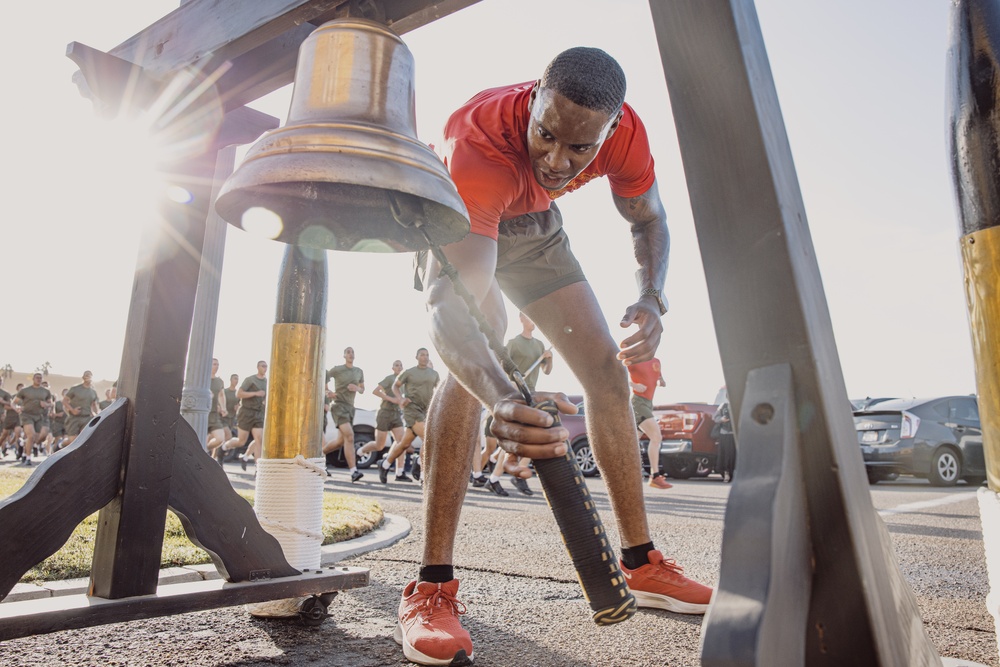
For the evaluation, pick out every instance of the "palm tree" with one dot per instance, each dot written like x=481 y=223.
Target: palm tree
x=44 y=368
x=7 y=371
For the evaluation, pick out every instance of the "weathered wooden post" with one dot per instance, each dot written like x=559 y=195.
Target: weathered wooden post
x=974 y=110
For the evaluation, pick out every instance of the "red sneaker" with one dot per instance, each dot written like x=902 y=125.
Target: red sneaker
x=429 y=629
x=658 y=481
x=661 y=585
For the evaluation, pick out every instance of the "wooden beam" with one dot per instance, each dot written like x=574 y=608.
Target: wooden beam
x=91 y=467
x=261 y=40
x=218 y=519
x=35 y=617
x=769 y=308
x=217 y=29
x=130 y=529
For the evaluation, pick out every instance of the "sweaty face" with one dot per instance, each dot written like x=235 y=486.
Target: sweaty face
x=563 y=137
x=397 y=367
x=349 y=355
x=423 y=356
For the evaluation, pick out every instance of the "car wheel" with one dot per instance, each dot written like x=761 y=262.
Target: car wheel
x=946 y=469
x=585 y=457
x=365 y=460
x=703 y=468
x=681 y=468
x=873 y=477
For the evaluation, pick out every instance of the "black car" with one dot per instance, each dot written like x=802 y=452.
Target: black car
x=937 y=438
x=868 y=402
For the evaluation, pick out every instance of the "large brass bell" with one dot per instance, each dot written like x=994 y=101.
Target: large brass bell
x=346 y=171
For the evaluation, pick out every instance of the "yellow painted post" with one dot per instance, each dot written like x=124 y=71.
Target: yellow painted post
x=981 y=261
x=291 y=471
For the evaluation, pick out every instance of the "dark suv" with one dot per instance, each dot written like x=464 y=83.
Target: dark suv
x=937 y=438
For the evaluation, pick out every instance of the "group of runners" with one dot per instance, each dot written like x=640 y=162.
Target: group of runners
x=36 y=422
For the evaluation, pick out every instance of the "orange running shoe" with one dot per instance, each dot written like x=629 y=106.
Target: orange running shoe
x=429 y=629
x=661 y=584
x=658 y=481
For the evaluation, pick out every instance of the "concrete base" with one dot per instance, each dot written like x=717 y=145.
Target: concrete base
x=989 y=513
x=954 y=662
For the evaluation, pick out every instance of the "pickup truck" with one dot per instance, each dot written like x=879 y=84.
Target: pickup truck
x=688 y=449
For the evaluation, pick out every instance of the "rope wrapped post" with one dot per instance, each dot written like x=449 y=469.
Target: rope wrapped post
x=291 y=470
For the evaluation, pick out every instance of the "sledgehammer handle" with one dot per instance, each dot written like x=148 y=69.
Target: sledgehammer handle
x=583 y=534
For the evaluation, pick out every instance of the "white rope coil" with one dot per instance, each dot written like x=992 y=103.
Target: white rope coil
x=289 y=505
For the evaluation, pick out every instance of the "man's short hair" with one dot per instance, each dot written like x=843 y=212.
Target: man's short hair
x=588 y=77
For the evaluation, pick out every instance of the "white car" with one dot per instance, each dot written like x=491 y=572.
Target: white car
x=364 y=431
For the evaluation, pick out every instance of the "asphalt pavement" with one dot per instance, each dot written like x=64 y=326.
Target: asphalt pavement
x=524 y=605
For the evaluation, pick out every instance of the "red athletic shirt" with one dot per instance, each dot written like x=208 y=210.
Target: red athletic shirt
x=647 y=373
x=487 y=154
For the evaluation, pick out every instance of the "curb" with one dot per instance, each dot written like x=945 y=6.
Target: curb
x=393 y=529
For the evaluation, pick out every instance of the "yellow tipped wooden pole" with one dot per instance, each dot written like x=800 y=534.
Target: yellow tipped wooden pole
x=291 y=470
x=974 y=135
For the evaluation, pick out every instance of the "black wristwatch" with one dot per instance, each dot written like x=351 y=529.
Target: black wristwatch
x=661 y=300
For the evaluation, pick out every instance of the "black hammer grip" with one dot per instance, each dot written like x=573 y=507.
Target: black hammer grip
x=583 y=534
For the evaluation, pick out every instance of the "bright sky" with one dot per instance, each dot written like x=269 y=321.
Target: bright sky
x=862 y=89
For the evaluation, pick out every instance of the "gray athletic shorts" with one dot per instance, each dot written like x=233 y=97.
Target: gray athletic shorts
x=386 y=420
x=533 y=258
x=643 y=409
x=341 y=413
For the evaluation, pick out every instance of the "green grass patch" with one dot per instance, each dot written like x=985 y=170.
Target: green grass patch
x=344 y=517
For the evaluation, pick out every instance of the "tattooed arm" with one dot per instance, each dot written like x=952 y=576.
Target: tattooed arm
x=651 y=243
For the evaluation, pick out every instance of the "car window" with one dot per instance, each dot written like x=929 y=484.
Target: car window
x=942 y=410
x=964 y=409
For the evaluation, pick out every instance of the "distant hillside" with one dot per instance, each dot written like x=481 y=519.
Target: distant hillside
x=56 y=382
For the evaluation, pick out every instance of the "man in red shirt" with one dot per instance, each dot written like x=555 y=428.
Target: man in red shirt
x=512 y=151
x=644 y=377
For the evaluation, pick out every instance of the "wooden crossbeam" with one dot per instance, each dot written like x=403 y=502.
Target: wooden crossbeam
x=68 y=612
x=259 y=38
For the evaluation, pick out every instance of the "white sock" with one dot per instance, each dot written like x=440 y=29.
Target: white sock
x=354 y=470
x=494 y=478
x=478 y=475
x=386 y=463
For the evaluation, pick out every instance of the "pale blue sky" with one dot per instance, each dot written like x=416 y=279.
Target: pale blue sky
x=862 y=89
